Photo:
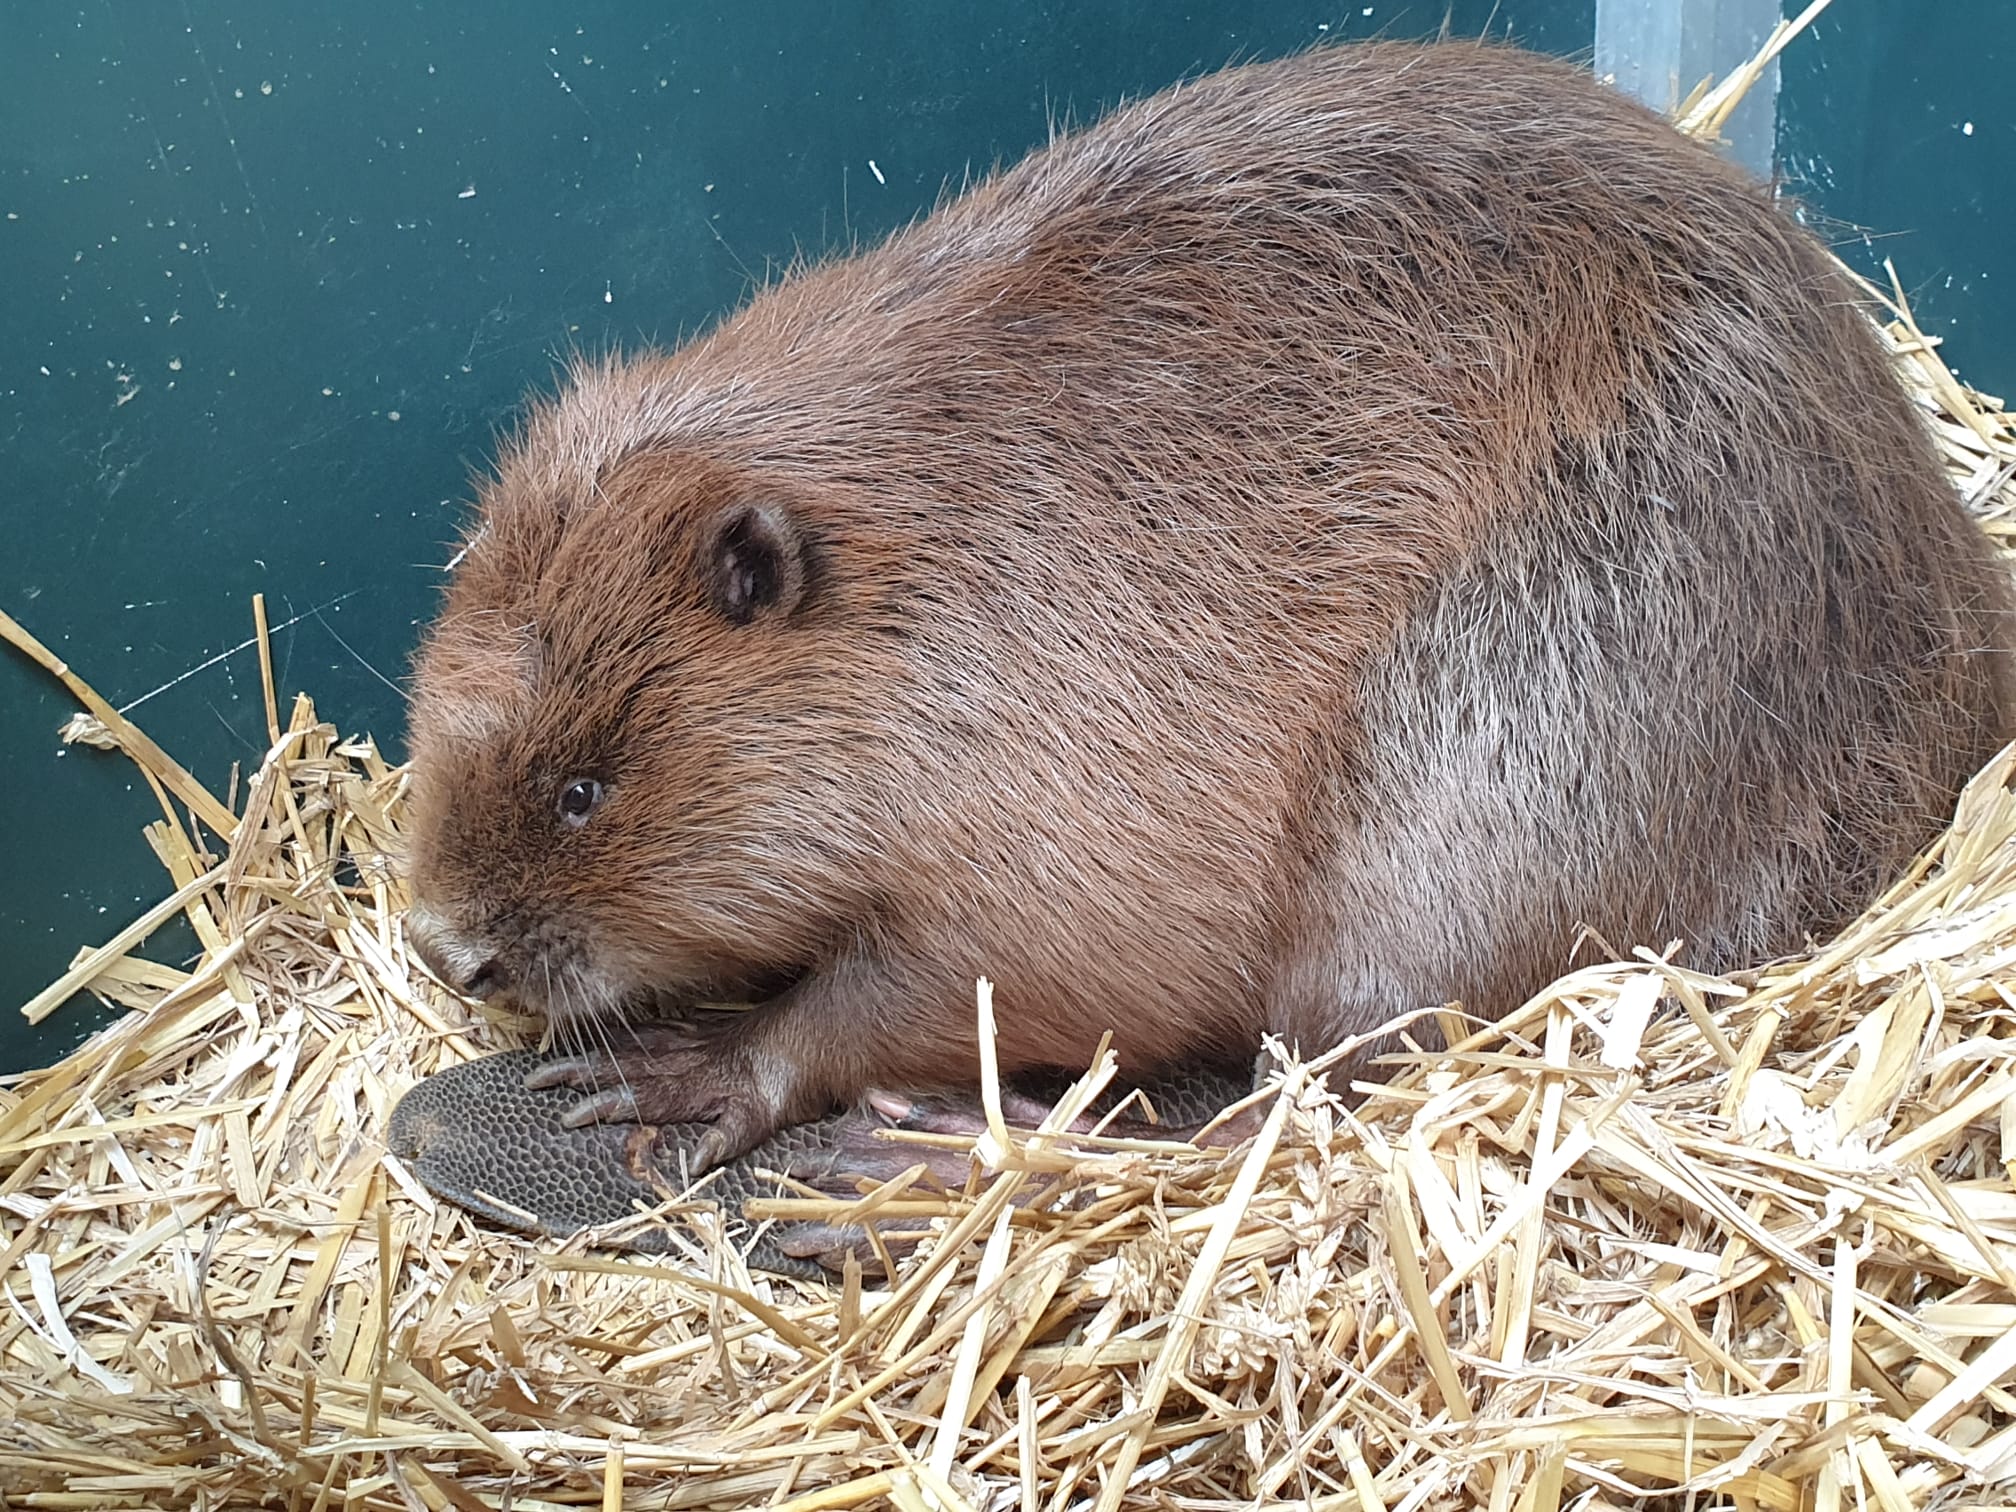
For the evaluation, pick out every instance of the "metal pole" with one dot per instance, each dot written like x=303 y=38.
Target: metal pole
x=1660 y=50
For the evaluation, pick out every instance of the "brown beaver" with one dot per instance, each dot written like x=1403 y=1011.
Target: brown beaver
x=1299 y=550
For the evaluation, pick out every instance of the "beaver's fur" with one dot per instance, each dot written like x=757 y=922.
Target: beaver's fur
x=1296 y=551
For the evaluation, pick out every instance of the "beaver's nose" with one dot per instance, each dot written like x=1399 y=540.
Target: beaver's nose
x=465 y=964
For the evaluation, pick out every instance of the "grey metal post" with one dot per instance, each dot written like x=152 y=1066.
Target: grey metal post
x=1659 y=50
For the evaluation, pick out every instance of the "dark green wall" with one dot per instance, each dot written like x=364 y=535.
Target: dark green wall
x=236 y=240
x=1898 y=121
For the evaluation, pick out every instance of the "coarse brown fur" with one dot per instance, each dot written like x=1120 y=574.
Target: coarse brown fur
x=1295 y=552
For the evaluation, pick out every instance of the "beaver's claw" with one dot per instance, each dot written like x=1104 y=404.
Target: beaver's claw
x=674 y=1075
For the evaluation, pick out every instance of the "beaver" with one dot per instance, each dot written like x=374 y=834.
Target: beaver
x=1324 y=540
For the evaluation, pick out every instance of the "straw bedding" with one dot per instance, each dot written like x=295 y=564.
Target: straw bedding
x=1753 y=1239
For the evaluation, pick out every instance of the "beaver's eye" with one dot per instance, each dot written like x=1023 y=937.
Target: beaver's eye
x=578 y=799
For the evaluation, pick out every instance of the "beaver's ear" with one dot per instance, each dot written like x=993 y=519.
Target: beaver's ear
x=756 y=562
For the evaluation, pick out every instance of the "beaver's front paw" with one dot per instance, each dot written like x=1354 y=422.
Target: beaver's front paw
x=669 y=1074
